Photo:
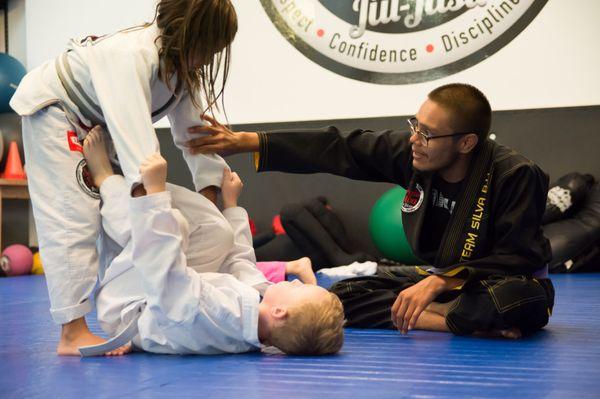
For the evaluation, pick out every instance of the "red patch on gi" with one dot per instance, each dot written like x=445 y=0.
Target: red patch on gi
x=413 y=199
x=73 y=140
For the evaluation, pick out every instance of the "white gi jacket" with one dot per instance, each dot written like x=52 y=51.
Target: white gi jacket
x=113 y=81
x=185 y=308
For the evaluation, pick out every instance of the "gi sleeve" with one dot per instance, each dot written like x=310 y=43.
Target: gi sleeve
x=241 y=261
x=122 y=84
x=207 y=170
x=383 y=156
x=114 y=211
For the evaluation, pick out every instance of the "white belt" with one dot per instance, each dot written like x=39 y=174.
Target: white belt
x=116 y=342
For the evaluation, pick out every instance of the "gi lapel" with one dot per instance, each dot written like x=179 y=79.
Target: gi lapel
x=465 y=228
x=414 y=206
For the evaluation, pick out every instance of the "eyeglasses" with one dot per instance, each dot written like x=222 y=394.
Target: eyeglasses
x=424 y=135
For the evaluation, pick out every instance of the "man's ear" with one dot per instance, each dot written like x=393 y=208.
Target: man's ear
x=468 y=143
x=278 y=312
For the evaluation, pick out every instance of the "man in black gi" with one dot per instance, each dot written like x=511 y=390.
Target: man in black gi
x=472 y=212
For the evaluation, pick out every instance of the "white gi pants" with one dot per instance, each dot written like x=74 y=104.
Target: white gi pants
x=65 y=209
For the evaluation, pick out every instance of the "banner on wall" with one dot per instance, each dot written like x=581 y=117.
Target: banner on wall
x=400 y=41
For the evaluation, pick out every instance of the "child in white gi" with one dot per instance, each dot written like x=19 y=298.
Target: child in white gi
x=154 y=294
x=125 y=81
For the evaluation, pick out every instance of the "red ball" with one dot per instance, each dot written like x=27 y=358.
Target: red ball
x=16 y=260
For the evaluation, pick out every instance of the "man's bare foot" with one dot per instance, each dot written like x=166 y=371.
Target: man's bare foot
x=440 y=308
x=96 y=156
x=511 y=333
x=74 y=335
x=125 y=349
x=303 y=269
x=431 y=321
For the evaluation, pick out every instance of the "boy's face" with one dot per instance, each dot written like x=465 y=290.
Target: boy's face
x=291 y=294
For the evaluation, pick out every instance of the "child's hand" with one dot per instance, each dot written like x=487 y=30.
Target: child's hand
x=231 y=188
x=154 y=173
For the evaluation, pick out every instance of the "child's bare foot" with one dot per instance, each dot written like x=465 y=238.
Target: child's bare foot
x=303 y=269
x=125 y=349
x=96 y=156
x=74 y=335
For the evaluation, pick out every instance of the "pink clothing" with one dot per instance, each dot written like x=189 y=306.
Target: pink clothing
x=273 y=271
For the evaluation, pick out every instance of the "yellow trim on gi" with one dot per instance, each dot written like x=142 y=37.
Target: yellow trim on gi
x=256 y=160
x=450 y=273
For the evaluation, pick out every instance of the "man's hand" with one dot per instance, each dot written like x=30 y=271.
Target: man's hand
x=412 y=301
x=231 y=188
x=220 y=139
x=154 y=173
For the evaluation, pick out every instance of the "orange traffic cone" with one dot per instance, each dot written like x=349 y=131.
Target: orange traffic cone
x=14 y=167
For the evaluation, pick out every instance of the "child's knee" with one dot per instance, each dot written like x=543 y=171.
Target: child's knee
x=210 y=244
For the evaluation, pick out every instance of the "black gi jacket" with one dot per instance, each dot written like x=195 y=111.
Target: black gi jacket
x=496 y=227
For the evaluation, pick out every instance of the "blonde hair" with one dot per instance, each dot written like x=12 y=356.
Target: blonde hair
x=314 y=328
x=192 y=31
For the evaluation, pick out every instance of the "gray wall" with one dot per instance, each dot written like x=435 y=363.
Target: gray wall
x=560 y=140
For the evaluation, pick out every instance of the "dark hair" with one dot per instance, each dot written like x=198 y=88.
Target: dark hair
x=470 y=108
x=194 y=32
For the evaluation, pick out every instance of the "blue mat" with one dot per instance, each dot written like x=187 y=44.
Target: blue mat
x=563 y=361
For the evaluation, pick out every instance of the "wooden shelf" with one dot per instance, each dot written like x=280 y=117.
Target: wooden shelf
x=13 y=182
x=11 y=189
